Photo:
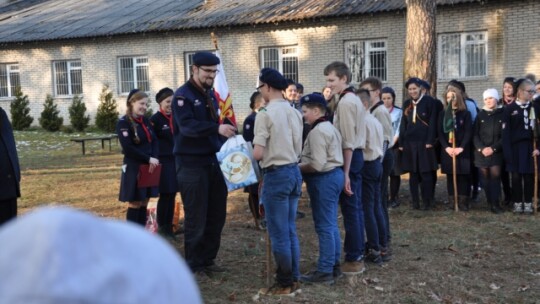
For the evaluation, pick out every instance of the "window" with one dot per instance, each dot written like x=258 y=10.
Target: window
x=366 y=59
x=133 y=73
x=9 y=79
x=67 y=77
x=283 y=59
x=462 y=55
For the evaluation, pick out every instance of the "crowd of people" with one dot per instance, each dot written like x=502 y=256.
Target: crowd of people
x=350 y=145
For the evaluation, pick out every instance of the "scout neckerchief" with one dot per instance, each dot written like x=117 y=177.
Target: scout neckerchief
x=449 y=122
x=169 y=118
x=414 y=104
x=318 y=121
x=209 y=99
x=344 y=92
x=528 y=117
x=375 y=106
x=140 y=121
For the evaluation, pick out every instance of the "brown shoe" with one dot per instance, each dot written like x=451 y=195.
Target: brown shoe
x=352 y=268
x=280 y=291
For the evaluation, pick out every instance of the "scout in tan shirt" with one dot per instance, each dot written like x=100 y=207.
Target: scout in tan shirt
x=321 y=166
x=349 y=120
x=278 y=144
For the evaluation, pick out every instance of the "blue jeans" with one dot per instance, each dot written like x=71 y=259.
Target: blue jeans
x=324 y=189
x=353 y=214
x=373 y=211
x=280 y=193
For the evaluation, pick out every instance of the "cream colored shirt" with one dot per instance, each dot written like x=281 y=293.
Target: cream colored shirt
x=375 y=139
x=322 y=148
x=279 y=130
x=349 y=119
x=383 y=116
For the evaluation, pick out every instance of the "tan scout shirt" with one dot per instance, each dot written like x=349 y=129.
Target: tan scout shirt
x=375 y=138
x=279 y=131
x=383 y=116
x=350 y=122
x=322 y=148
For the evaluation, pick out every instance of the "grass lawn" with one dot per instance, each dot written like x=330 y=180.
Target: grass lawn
x=439 y=256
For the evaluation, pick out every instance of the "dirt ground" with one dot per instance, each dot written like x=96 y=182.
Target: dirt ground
x=439 y=257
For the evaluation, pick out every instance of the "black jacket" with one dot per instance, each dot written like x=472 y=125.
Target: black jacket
x=161 y=127
x=10 y=173
x=463 y=139
x=488 y=133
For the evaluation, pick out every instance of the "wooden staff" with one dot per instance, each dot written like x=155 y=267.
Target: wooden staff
x=535 y=198
x=214 y=40
x=454 y=173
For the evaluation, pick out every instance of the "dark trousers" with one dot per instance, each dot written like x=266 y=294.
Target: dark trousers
x=395 y=183
x=506 y=185
x=387 y=165
x=491 y=182
x=165 y=211
x=522 y=187
x=425 y=181
x=8 y=210
x=204 y=195
x=462 y=181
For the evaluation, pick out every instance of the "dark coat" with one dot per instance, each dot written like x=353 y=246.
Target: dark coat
x=249 y=127
x=463 y=138
x=413 y=137
x=10 y=173
x=488 y=133
x=167 y=182
x=197 y=121
x=517 y=140
x=135 y=155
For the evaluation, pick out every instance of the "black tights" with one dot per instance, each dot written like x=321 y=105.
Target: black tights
x=491 y=182
x=395 y=183
x=462 y=181
x=425 y=180
x=522 y=187
x=165 y=211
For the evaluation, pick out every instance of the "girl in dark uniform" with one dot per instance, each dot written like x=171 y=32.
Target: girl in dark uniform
x=163 y=125
x=256 y=101
x=455 y=124
x=417 y=137
x=388 y=96
x=488 y=148
x=139 y=146
x=507 y=99
x=519 y=122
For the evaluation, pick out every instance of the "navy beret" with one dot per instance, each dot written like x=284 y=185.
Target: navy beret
x=273 y=78
x=414 y=80
x=131 y=93
x=163 y=94
x=205 y=58
x=425 y=85
x=313 y=99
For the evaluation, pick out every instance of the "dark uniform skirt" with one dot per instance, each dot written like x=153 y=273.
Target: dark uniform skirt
x=398 y=155
x=463 y=163
x=417 y=158
x=167 y=181
x=129 y=192
x=521 y=160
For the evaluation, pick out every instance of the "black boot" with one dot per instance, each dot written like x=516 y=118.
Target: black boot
x=427 y=204
x=463 y=202
x=495 y=208
x=132 y=215
x=416 y=204
x=142 y=215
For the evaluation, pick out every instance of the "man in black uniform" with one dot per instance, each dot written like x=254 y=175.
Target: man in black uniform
x=10 y=174
x=200 y=181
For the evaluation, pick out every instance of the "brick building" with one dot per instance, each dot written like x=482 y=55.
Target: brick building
x=68 y=47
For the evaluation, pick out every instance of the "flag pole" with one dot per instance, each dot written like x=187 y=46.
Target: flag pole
x=214 y=40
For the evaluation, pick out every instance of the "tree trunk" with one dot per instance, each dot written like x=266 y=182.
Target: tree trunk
x=420 y=43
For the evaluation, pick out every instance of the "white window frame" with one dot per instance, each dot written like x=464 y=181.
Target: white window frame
x=72 y=65
x=11 y=68
x=463 y=55
x=368 y=48
x=134 y=71
x=283 y=54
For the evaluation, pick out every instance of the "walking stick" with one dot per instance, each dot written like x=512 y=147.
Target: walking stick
x=535 y=198
x=454 y=174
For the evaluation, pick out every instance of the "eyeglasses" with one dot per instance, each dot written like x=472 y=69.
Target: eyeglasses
x=259 y=87
x=530 y=91
x=209 y=71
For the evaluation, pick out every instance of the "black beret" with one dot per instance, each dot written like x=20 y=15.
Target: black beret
x=131 y=93
x=313 y=99
x=458 y=84
x=414 y=80
x=425 y=85
x=205 y=58
x=273 y=78
x=163 y=94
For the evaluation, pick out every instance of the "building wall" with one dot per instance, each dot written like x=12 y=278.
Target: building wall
x=511 y=42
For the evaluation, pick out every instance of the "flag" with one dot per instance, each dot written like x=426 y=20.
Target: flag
x=221 y=89
x=448 y=123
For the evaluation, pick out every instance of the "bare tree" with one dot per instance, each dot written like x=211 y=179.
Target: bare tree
x=420 y=43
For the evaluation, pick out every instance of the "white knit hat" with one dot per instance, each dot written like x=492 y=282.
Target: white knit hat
x=491 y=93
x=60 y=255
